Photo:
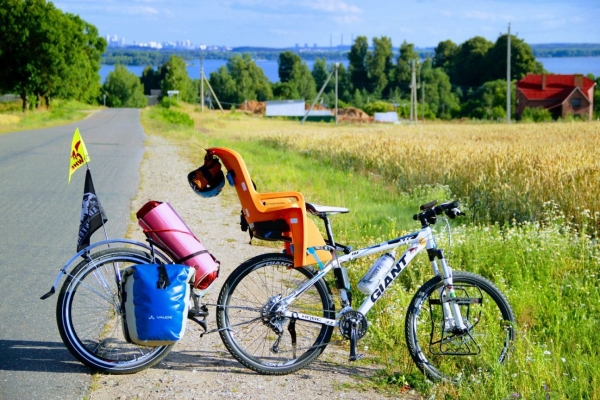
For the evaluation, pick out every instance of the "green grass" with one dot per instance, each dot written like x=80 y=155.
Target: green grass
x=61 y=112
x=547 y=269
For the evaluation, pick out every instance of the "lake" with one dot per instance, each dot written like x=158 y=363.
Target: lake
x=270 y=67
x=557 y=65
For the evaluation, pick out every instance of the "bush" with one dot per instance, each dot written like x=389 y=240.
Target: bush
x=378 y=106
x=175 y=117
x=168 y=102
x=536 y=115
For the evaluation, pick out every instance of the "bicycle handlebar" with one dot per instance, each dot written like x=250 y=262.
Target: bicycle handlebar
x=429 y=215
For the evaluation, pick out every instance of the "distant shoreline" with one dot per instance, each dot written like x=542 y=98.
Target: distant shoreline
x=557 y=65
x=154 y=56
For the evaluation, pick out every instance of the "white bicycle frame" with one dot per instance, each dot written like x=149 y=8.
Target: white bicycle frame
x=417 y=242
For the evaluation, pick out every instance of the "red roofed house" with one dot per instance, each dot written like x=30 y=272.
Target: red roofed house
x=561 y=94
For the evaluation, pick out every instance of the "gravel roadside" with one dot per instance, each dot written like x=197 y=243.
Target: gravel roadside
x=200 y=368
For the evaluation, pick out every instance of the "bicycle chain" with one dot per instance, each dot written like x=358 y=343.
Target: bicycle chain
x=257 y=319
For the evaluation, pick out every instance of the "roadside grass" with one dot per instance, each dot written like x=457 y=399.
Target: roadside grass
x=12 y=118
x=547 y=267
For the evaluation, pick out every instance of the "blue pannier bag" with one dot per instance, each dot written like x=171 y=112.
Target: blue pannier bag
x=156 y=300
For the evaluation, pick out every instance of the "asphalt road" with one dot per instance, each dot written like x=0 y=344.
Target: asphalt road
x=39 y=221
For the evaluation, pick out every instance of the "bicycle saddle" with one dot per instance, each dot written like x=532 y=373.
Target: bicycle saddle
x=321 y=211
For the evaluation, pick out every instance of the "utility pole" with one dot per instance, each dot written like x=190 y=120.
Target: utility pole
x=414 y=115
x=412 y=90
x=422 y=86
x=423 y=100
x=202 y=84
x=508 y=78
x=336 y=92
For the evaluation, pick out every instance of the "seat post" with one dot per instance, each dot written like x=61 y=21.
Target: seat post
x=328 y=230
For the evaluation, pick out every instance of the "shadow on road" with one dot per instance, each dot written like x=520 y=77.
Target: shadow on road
x=23 y=355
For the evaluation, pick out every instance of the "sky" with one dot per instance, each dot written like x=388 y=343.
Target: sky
x=285 y=23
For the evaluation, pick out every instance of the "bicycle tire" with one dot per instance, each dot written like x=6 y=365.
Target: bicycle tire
x=444 y=355
x=88 y=314
x=243 y=319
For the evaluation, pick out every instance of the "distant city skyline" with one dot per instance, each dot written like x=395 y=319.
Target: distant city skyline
x=285 y=23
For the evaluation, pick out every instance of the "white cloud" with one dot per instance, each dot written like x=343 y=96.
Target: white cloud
x=112 y=9
x=484 y=16
x=135 y=10
x=332 y=6
x=346 y=19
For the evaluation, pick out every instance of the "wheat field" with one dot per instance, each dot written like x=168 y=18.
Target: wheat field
x=506 y=173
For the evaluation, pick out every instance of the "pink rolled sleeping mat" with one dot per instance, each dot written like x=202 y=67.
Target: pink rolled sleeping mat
x=164 y=226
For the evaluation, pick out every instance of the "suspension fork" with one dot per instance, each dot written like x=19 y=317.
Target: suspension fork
x=449 y=307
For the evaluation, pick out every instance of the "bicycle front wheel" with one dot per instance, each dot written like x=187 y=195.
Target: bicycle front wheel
x=88 y=314
x=441 y=350
x=251 y=326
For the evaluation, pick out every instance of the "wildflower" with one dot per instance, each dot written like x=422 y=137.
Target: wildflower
x=563 y=359
x=547 y=353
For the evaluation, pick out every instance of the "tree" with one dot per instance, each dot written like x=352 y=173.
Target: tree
x=442 y=102
x=150 y=79
x=470 y=63
x=357 y=68
x=124 y=89
x=522 y=60
x=224 y=86
x=286 y=62
x=241 y=80
x=251 y=80
x=175 y=77
x=445 y=52
x=45 y=53
x=320 y=74
x=83 y=57
x=345 y=87
x=380 y=66
x=489 y=101
x=295 y=78
x=403 y=71
x=285 y=91
x=302 y=80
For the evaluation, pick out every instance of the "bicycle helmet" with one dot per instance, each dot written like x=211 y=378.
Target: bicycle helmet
x=208 y=180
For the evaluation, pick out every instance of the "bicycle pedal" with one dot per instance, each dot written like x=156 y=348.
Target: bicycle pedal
x=356 y=357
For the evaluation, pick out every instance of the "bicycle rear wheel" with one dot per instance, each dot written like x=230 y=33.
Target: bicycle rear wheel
x=88 y=314
x=443 y=353
x=249 y=325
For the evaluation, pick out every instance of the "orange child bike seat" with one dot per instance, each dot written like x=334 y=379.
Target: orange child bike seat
x=261 y=208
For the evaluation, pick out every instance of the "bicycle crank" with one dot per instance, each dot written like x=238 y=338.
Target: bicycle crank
x=353 y=325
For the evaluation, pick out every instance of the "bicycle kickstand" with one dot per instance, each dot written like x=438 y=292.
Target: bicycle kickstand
x=198 y=311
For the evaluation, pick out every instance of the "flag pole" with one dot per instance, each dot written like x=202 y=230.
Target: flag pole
x=101 y=216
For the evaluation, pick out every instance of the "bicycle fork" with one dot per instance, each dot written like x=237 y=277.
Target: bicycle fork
x=450 y=307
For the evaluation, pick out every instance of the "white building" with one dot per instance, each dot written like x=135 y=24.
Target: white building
x=292 y=108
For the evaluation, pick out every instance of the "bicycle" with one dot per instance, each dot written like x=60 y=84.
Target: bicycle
x=457 y=324
x=450 y=329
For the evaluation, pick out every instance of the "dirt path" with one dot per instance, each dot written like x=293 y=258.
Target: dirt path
x=202 y=368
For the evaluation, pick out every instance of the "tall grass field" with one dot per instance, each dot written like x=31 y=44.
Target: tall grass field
x=532 y=197
x=12 y=117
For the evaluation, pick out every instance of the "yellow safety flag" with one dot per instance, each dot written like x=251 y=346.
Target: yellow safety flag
x=79 y=154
